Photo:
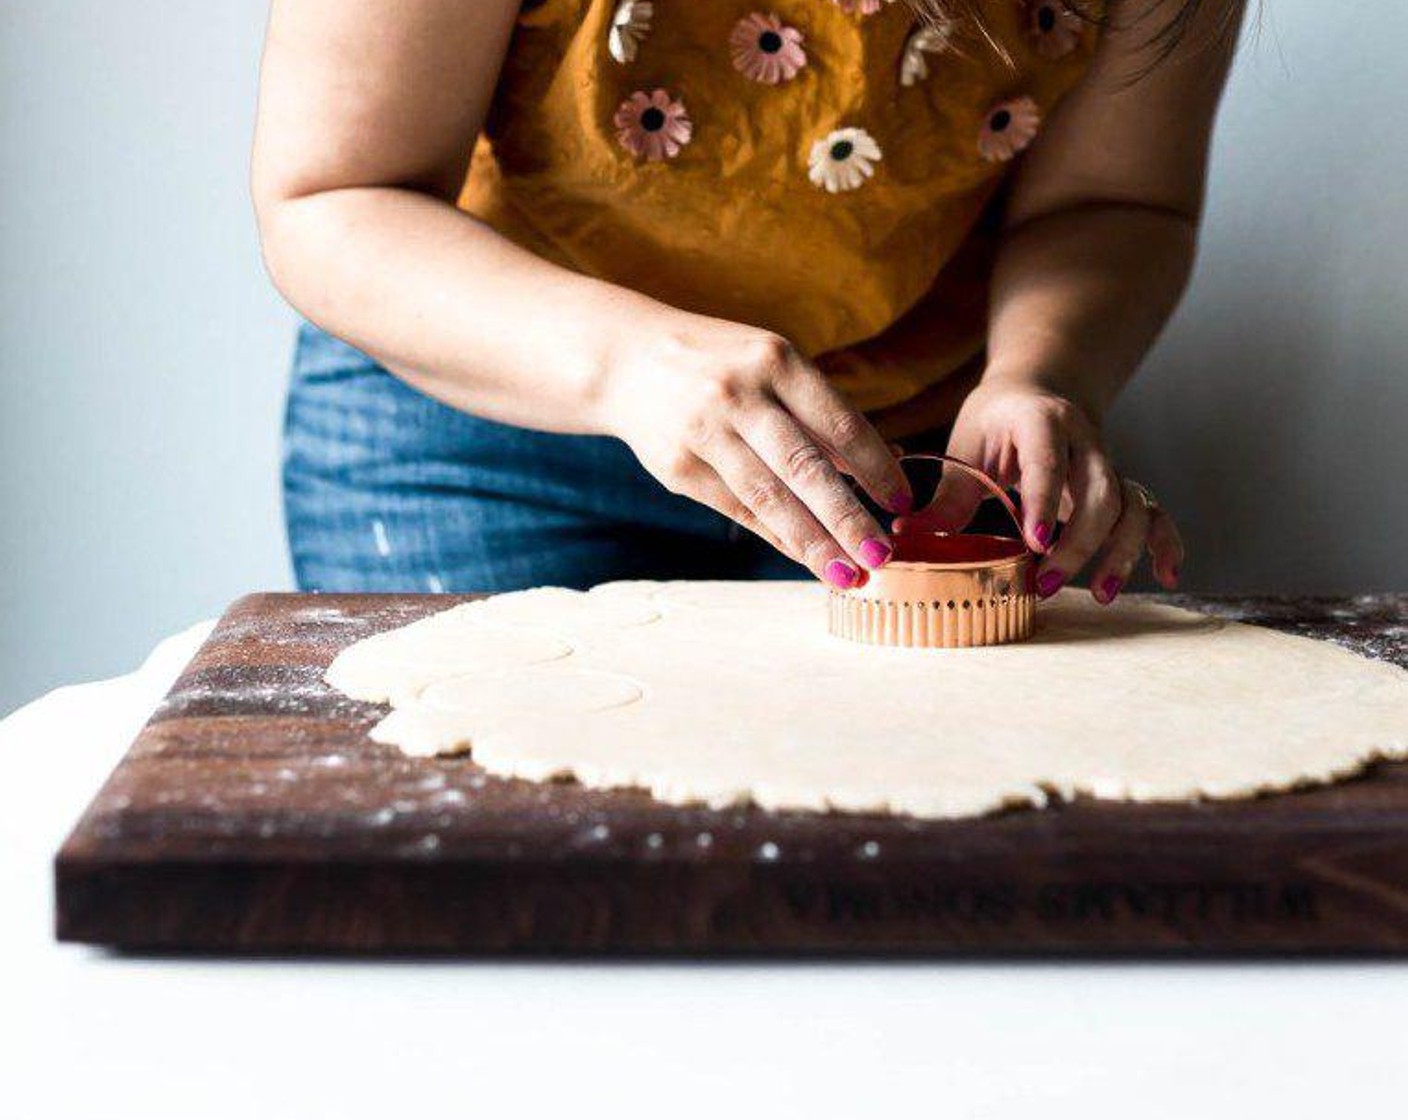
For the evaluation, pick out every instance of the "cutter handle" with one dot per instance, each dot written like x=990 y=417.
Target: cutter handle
x=982 y=477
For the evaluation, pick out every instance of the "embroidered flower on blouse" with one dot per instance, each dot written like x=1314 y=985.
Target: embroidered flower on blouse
x=926 y=39
x=844 y=160
x=1055 y=27
x=1009 y=127
x=766 y=50
x=651 y=126
x=864 y=7
x=630 y=24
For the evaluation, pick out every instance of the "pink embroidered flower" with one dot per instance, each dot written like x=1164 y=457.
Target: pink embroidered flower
x=1055 y=27
x=864 y=7
x=653 y=127
x=1009 y=127
x=766 y=50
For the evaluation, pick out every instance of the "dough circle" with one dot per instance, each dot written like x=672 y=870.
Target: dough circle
x=532 y=691
x=721 y=693
x=394 y=667
x=566 y=611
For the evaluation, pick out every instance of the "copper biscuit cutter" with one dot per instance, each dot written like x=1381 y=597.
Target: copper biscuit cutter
x=944 y=590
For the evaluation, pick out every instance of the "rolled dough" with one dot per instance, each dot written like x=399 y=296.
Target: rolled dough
x=730 y=692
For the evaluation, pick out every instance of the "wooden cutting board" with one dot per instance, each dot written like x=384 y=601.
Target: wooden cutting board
x=253 y=814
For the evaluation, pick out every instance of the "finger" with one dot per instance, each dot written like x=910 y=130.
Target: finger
x=1123 y=548
x=711 y=490
x=957 y=495
x=836 y=461
x=1098 y=503
x=956 y=500
x=1165 y=549
x=1043 y=455
x=780 y=511
x=793 y=456
x=844 y=431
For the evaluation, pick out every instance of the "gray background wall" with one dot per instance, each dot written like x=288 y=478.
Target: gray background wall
x=142 y=352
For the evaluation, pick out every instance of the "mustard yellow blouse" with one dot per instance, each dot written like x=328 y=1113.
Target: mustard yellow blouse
x=819 y=168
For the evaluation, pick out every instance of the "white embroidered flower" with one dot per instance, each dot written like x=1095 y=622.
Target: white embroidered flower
x=629 y=25
x=844 y=160
x=864 y=7
x=929 y=38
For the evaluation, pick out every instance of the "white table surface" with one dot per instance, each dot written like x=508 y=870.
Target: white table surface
x=85 y=1033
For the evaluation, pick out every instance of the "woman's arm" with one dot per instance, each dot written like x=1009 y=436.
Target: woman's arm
x=368 y=114
x=1101 y=232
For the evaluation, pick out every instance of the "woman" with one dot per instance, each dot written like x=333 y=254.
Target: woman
x=618 y=279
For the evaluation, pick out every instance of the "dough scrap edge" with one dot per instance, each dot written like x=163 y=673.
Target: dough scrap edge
x=1033 y=796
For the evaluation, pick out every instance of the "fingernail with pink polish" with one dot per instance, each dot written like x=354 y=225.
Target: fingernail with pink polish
x=1109 y=588
x=1042 y=533
x=874 y=552
x=1048 y=583
x=841 y=575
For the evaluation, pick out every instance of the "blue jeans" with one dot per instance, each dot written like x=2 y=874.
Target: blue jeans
x=388 y=490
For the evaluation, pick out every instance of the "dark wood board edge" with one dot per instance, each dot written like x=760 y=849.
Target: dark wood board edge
x=1330 y=893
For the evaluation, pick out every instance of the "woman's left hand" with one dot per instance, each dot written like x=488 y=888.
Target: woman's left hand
x=1048 y=447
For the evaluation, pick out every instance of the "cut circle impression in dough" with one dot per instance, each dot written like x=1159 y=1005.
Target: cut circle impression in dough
x=532 y=691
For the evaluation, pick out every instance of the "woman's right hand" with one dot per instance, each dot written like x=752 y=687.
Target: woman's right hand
x=734 y=417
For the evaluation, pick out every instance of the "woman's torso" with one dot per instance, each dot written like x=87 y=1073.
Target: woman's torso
x=808 y=169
